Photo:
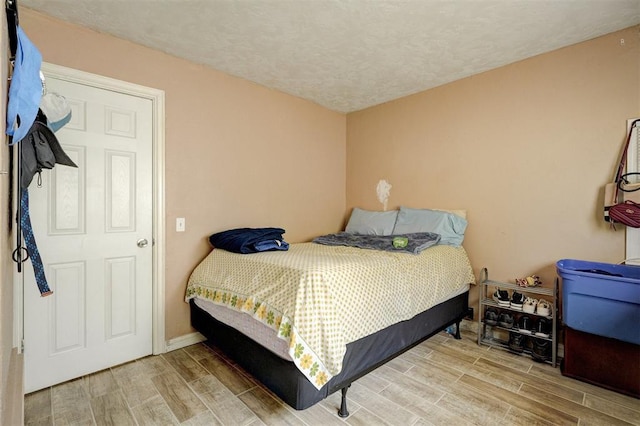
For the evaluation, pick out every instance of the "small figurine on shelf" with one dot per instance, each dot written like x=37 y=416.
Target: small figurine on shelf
x=530 y=281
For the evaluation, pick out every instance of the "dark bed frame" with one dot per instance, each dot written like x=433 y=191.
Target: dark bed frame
x=362 y=356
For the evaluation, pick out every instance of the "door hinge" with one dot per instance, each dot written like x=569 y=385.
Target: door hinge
x=22 y=346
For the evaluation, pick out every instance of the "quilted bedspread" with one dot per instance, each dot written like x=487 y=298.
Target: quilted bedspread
x=319 y=298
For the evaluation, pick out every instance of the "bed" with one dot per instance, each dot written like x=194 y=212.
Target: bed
x=311 y=320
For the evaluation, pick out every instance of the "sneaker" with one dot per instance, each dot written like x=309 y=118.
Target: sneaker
x=529 y=305
x=517 y=300
x=491 y=317
x=541 y=350
x=525 y=325
x=542 y=327
x=516 y=342
x=544 y=308
x=502 y=297
x=505 y=320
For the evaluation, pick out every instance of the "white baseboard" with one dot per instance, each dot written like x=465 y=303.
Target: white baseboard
x=184 y=341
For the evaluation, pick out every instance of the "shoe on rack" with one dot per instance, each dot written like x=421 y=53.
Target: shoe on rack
x=525 y=325
x=491 y=317
x=516 y=342
x=528 y=344
x=543 y=308
x=505 y=320
x=542 y=327
x=502 y=298
x=529 y=305
x=517 y=300
x=541 y=350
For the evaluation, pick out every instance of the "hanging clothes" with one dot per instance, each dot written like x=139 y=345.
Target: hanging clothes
x=38 y=147
x=32 y=247
x=25 y=91
x=41 y=150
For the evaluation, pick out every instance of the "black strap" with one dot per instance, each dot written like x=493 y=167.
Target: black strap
x=625 y=181
x=11 y=7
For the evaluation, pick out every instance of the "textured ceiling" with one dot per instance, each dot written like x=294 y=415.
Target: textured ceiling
x=349 y=54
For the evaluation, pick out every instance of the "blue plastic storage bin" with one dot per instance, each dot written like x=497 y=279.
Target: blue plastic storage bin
x=601 y=298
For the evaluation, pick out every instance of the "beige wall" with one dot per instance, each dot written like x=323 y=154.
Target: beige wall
x=525 y=148
x=237 y=154
x=10 y=361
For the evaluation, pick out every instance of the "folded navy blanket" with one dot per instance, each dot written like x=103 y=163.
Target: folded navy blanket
x=416 y=242
x=249 y=240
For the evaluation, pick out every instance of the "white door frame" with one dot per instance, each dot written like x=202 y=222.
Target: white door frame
x=156 y=97
x=632 y=239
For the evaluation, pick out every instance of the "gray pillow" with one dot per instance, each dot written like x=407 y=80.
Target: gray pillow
x=366 y=222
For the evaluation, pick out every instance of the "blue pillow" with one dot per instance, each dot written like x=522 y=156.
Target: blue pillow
x=366 y=222
x=451 y=227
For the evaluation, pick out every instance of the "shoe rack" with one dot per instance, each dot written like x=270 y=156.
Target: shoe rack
x=499 y=336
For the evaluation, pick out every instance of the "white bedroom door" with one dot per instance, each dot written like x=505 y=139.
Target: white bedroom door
x=93 y=226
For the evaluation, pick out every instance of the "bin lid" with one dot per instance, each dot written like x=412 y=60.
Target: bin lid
x=611 y=271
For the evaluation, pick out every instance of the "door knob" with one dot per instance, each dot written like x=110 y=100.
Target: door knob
x=142 y=242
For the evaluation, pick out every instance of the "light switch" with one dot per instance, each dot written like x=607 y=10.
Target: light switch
x=180 y=224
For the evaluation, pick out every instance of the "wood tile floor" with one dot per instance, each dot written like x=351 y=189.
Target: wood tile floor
x=443 y=381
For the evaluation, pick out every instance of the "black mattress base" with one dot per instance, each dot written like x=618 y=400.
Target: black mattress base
x=362 y=356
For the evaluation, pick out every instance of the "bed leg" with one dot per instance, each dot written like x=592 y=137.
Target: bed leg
x=457 y=335
x=343 y=412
